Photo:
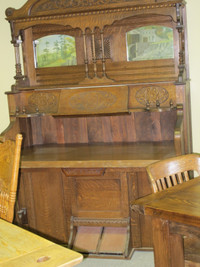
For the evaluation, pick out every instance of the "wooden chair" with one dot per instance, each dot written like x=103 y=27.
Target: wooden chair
x=170 y=172
x=9 y=169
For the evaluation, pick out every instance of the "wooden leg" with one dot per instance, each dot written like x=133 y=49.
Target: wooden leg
x=168 y=248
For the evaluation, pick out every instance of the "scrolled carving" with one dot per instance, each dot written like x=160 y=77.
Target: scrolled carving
x=151 y=95
x=9 y=11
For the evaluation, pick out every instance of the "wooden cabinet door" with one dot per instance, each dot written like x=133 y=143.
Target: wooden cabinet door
x=99 y=195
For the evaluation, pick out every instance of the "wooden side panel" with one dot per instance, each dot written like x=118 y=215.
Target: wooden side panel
x=144 y=189
x=41 y=193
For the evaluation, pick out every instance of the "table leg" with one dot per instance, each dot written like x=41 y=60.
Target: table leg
x=168 y=248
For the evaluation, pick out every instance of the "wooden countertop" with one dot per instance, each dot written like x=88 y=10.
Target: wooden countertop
x=96 y=155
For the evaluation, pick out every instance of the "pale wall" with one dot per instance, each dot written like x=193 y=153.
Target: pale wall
x=7 y=63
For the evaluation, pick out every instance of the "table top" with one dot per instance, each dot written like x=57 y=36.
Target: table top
x=19 y=247
x=180 y=203
x=138 y=154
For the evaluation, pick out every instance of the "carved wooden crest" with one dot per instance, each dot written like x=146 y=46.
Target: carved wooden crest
x=151 y=95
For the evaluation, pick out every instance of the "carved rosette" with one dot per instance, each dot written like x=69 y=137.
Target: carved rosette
x=92 y=101
x=43 y=102
x=151 y=95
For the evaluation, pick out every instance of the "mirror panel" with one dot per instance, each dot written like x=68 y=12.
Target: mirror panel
x=54 y=51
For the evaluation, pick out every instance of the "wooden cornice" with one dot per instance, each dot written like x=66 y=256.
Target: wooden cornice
x=40 y=9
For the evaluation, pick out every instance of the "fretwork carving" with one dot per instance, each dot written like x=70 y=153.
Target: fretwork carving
x=99 y=48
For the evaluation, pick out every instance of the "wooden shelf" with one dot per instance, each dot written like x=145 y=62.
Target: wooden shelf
x=96 y=155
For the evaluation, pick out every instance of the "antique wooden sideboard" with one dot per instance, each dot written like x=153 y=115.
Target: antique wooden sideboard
x=101 y=90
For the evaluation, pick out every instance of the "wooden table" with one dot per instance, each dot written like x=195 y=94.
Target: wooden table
x=175 y=216
x=19 y=247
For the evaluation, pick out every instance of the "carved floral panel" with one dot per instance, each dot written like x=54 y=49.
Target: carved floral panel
x=42 y=102
x=151 y=95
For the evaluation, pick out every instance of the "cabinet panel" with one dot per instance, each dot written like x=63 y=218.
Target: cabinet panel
x=41 y=194
x=102 y=196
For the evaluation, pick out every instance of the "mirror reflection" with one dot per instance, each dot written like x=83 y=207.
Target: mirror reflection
x=54 y=51
x=150 y=42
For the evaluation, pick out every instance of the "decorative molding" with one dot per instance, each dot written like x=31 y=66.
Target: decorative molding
x=92 y=101
x=97 y=12
x=151 y=95
x=88 y=221
x=42 y=102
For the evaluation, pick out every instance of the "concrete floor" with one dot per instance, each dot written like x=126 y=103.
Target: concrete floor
x=138 y=259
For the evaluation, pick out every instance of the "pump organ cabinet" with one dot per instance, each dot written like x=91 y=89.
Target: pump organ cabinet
x=101 y=93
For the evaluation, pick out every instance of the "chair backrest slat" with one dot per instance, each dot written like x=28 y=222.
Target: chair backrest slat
x=180 y=178
x=169 y=182
x=159 y=185
x=186 y=176
x=174 y=179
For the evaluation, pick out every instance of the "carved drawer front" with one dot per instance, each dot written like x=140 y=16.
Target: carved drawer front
x=94 y=100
